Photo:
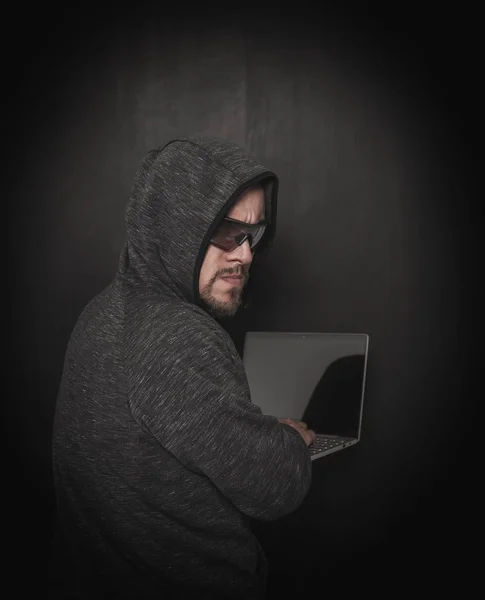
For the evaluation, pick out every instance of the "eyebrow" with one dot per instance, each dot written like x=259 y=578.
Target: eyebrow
x=261 y=222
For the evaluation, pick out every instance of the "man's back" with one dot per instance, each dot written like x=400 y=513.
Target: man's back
x=136 y=519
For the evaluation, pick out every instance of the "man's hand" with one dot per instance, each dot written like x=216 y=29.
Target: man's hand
x=308 y=435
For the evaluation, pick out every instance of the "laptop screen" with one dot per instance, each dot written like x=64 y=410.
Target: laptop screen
x=315 y=377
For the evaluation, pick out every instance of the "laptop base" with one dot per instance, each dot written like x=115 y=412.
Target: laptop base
x=327 y=444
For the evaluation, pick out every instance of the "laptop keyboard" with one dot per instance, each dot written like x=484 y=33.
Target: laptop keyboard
x=324 y=443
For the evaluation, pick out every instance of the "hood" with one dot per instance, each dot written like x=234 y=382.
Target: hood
x=180 y=193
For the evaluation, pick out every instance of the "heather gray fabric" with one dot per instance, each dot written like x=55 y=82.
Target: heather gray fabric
x=160 y=458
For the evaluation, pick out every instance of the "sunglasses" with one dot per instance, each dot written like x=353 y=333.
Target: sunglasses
x=231 y=233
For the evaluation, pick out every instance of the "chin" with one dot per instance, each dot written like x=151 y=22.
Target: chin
x=221 y=309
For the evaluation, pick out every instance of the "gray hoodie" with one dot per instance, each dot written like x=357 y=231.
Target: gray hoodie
x=160 y=458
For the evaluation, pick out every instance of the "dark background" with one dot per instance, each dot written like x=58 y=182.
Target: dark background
x=371 y=121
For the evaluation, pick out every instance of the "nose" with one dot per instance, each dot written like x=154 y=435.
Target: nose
x=242 y=253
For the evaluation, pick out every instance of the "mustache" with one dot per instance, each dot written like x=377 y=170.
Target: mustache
x=235 y=272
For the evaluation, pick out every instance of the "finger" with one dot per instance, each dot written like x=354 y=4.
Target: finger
x=310 y=437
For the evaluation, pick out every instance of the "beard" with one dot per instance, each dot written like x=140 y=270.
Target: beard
x=222 y=309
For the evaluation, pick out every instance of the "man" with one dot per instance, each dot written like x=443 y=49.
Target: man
x=160 y=458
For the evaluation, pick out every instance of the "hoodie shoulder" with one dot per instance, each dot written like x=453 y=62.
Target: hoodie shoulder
x=174 y=331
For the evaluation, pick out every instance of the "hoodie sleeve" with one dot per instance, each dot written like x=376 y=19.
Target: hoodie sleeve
x=186 y=388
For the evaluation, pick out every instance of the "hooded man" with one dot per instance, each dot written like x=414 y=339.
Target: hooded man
x=160 y=458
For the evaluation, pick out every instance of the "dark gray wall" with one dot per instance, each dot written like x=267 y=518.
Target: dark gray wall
x=365 y=123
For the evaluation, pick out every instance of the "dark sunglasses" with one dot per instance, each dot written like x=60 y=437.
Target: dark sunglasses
x=231 y=233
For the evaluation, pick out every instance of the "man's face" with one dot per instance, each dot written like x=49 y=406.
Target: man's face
x=221 y=293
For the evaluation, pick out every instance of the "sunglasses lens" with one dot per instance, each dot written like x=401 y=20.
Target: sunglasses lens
x=230 y=235
x=256 y=238
x=225 y=236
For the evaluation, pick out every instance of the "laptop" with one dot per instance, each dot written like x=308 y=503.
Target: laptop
x=318 y=378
